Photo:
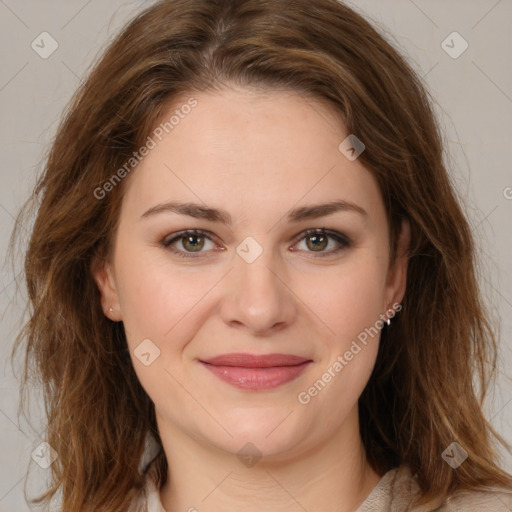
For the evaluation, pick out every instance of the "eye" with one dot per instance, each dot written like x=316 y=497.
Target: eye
x=191 y=241
x=317 y=240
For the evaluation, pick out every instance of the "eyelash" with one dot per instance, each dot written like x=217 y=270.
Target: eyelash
x=343 y=240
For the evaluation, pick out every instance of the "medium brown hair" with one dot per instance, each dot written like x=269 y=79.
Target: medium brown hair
x=420 y=397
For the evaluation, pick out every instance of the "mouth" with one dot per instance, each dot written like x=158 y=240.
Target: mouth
x=256 y=372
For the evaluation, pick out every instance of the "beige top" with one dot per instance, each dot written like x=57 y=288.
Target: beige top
x=393 y=493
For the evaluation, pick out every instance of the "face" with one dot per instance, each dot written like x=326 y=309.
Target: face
x=250 y=327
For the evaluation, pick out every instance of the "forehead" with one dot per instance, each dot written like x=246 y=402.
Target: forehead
x=252 y=150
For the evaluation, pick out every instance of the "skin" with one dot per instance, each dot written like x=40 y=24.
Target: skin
x=257 y=155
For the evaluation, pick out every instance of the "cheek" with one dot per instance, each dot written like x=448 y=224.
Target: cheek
x=160 y=301
x=349 y=298
x=156 y=304
x=349 y=304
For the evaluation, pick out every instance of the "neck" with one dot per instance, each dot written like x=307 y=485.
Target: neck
x=332 y=476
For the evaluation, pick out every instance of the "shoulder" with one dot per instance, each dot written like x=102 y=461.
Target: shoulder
x=488 y=500
x=394 y=492
x=398 y=488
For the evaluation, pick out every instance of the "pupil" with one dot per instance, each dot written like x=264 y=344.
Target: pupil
x=319 y=241
x=190 y=240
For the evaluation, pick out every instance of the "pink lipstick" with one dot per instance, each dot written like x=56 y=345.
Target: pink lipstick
x=256 y=372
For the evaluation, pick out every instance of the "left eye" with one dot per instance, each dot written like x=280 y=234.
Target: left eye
x=318 y=239
x=192 y=242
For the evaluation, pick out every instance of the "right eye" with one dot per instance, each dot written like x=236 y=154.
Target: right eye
x=191 y=241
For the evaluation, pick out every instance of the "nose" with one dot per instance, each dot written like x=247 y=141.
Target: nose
x=258 y=297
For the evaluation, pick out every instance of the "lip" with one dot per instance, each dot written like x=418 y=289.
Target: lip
x=256 y=372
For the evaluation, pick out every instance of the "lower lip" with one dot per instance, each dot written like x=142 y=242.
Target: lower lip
x=257 y=378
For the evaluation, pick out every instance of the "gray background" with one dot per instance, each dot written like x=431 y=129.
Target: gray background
x=474 y=103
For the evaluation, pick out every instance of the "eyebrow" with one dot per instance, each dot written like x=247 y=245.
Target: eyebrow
x=200 y=211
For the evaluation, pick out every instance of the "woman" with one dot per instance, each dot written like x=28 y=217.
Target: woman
x=248 y=251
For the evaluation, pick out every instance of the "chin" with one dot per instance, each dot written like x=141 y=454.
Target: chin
x=274 y=432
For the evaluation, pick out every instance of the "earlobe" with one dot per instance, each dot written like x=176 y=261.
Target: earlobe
x=102 y=273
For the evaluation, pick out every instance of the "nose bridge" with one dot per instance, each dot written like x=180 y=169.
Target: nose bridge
x=258 y=297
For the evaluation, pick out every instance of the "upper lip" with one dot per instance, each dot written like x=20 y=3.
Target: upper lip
x=255 y=360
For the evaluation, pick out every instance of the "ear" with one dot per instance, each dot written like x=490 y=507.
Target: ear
x=397 y=274
x=103 y=275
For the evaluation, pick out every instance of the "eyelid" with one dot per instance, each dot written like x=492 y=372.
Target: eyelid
x=340 y=237
x=168 y=239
